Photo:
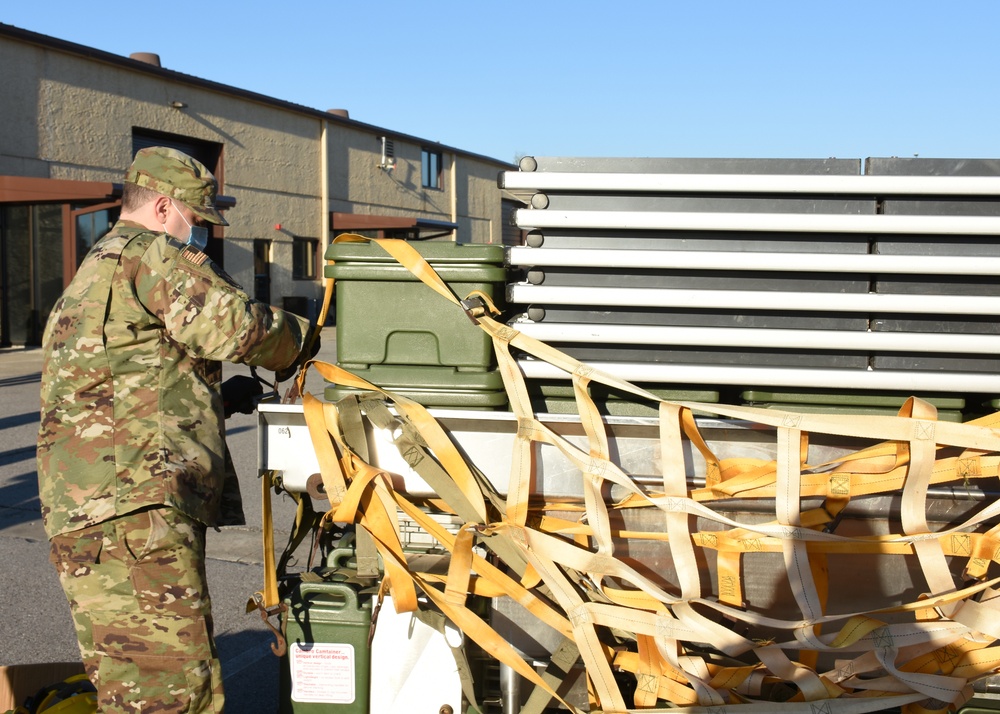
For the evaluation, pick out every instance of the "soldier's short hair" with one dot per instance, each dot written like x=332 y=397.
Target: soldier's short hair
x=135 y=196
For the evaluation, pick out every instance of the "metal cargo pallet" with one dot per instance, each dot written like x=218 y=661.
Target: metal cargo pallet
x=792 y=273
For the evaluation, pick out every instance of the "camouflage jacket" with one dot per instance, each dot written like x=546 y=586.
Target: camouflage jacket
x=131 y=415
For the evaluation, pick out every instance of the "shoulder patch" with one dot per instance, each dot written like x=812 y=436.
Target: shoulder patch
x=193 y=255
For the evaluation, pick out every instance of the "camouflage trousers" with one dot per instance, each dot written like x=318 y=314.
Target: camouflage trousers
x=136 y=587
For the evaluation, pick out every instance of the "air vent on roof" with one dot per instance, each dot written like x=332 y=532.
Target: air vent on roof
x=147 y=57
x=339 y=113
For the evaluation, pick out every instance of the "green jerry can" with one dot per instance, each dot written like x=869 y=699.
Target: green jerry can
x=327 y=667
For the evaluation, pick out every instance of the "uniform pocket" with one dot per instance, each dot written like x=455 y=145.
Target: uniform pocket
x=163 y=660
x=168 y=573
x=74 y=554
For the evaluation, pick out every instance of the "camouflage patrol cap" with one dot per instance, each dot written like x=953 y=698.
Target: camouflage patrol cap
x=177 y=175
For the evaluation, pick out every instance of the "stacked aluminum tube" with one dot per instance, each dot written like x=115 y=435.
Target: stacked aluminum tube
x=746 y=275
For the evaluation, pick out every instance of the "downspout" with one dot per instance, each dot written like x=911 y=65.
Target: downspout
x=324 y=192
x=454 y=192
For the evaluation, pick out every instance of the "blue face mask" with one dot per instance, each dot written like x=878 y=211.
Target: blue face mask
x=197 y=235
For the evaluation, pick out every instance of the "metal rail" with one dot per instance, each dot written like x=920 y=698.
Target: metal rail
x=606 y=182
x=753 y=261
x=757 y=222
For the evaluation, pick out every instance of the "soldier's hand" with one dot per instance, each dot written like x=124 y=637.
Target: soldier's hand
x=239 y=395
x=310 y=350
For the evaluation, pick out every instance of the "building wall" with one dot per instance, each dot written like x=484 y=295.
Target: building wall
x=358 y=185
x=19 y=116
x=71 y=116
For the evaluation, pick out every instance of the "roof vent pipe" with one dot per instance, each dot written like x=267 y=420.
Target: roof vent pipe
x=340 y=113
x=147 y=57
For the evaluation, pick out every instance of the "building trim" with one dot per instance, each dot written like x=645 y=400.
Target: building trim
x=72 y=48
x=21 y=189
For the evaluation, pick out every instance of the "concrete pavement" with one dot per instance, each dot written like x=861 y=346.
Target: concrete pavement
x=35 y=624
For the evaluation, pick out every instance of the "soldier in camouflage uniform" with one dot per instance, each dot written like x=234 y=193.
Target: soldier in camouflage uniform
x=132 y=464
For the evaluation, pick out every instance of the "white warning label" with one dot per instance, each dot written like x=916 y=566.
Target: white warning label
x=322 y=672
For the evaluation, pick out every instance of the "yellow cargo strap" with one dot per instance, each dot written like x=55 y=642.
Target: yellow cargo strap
x=371 y=500
x=686 y=644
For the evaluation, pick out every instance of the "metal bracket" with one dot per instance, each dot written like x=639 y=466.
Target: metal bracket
x=280 y=646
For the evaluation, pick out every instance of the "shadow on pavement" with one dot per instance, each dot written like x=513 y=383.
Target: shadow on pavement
x=250 y=671
x=10 y=422
x=19 y=502
x=21 y=379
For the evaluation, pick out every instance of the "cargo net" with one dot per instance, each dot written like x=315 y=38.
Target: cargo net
x=654 y=592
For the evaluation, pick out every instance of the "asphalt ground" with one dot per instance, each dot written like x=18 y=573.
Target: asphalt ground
x=35 y=624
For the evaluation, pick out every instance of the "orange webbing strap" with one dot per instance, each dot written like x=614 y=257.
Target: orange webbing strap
x=268 y=597
x=582 y=617
x=758 y=480
x=579 y=573
x=374 y=514
x=436 y=438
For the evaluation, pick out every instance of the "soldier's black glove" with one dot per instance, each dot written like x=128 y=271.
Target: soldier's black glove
x=309 y=351
x=239 y=395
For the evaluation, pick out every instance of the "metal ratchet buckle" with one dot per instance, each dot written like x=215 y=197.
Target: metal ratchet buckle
x=474 y=308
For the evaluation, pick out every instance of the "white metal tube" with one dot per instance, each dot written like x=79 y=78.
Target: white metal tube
x=758 y=222
x=734 y=260
x=749 y=183
x=591 y=333
x=896 y=380
x=754 y=300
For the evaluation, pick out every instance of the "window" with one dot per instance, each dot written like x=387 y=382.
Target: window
x=31 y=270
x=304 y=258
x=91 y=226
x=431 y=168
x=262 y=269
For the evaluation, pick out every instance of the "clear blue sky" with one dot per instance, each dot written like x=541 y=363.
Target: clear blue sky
x=692 y=78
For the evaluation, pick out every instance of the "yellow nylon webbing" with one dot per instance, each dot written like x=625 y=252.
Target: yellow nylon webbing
x=595 y=592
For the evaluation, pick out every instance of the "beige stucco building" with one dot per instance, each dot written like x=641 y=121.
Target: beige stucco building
x=73 y=117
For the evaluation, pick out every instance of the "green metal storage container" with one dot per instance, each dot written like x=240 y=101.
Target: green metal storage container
x=327 y=666
x=385 y=315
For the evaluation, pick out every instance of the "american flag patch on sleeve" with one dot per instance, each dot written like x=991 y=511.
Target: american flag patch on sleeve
x=193 y=255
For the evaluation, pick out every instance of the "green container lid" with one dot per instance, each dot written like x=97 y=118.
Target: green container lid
x=456 y=275
x=432 y=251
x=452 y=261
